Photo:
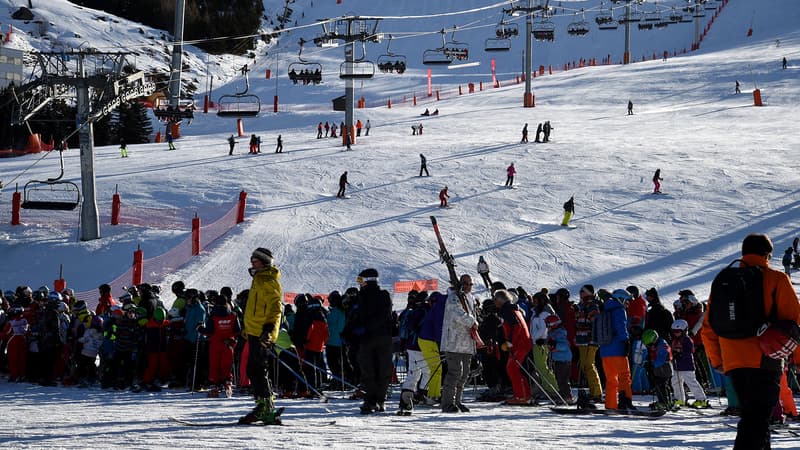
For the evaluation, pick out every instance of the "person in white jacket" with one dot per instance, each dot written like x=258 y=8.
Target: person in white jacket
x=457 y=344
x=541 y=311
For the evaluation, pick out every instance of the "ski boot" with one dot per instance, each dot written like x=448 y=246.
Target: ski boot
x=406 y=403
x=700 y=404
x=584 y=400
x=228 y=389
x=625 y=402
x=367 y=408
x=213 y=392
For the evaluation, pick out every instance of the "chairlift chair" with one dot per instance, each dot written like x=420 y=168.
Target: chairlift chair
x=357 y=70
x=305 y=72
x=240 y=104
x=454 y=49
x=435 y=57
x=506 y=30
x=710 y=5
x=605 y=21
x=698 y=12
x=662 y=24
x=544 y=30
x=497 y=45
x=652 y=16
x=675 y=16
x=635 y=17
x=52 y=194
x=391 y=62
x=645 y=25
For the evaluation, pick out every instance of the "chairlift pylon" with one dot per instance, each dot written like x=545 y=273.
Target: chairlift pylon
x=52 y=194
x=240 y=104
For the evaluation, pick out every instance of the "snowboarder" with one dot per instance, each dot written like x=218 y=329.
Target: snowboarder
x=510 y=172
x=262 y=318
x=657 y=182
x=630 y=108
x=737 y=91
x=538 y=133
x=279 y=148
x=483 y=270
x=546 y=128
x=443 y=196
x=367 y=127
x=423 y=165
x=123 y=148
x=169 y=140
x=524 y=134
x=343 y=183
x=426 y=113
x=231 y=143
x=569 y=210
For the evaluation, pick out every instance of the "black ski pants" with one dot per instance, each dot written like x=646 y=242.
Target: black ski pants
x=758 y=391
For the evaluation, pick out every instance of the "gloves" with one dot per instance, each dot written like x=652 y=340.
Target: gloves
x=506 y=346
x=540 y=342
x=266 y=336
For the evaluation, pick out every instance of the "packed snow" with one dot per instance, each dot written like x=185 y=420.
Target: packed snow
x=729 y=169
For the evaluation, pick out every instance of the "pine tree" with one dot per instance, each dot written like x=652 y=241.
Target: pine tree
x=132 y=124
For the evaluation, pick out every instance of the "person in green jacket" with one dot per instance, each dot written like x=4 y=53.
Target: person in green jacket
x=262 y=318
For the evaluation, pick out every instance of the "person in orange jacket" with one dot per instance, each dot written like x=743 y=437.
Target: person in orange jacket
x=755 y=376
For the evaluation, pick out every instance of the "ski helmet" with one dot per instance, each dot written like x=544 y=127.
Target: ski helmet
x=680 y=324
x=649 y=337
x=621 y=295
x=97 y=322
x=54 y=297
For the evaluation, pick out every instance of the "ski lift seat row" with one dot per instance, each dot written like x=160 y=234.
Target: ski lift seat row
x=435 y=57
x=238 y=106
x=51 y=194
x=497 y=45
x=356 y=70
x=578 y=28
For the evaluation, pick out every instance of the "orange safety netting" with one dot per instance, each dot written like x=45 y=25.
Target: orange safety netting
x=416 y=285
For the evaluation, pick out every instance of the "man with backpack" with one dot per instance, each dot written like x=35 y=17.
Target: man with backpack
x=615 y=346
x=741 y=302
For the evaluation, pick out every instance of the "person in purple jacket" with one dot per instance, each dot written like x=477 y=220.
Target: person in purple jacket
x=429 y=339
x=683 y=361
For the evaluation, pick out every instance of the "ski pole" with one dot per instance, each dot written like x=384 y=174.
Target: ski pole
x=530 y=377
x=549 y=384
x=294 y=355
x=299 y=377
x=196 y=353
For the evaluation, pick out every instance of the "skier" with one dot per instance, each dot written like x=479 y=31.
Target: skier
x=419 y=128
x=367 y=127
x=231 y=143
x=443 y=196
x=169 y=140
x=222 y=326
x=258 y=144
x=588 y=309
x=546 y=129
x=373 y=325
x=359 y=125
x=418 y=372
x=343 y=183
x=630 y=108
x=517 y=342
x=327 y=128
x=319 y=130
x=615 y=354
x=538 y=133
x=279 y=148
x=253 y=144
x=684 y=373
x=483 y=270
x=262 y=318
x=458 y=345
x=123 y=148
x=657 y=182
x=510 y=172
x=569 y=210
x=423 y=165
x=784 y=62
x=560 y=355
x=524 y=134
x=413 y=130
x=737 y=91
x=333 y=130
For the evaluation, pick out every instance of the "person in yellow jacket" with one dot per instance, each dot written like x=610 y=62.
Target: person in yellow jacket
x=755 y=376
x=262 y=319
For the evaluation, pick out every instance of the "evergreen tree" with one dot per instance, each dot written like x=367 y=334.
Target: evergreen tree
x=132 y=124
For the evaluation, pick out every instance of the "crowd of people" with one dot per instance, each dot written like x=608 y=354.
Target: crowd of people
x=526 y=348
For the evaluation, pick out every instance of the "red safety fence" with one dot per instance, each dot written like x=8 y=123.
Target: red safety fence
x=416 y=285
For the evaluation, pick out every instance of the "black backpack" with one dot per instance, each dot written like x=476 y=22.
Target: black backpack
x=736 y=310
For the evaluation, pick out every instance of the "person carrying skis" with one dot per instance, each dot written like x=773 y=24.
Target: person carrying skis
x=569 y=210
x=343 y=183
x=423 y=165
x=524 y=134
x=657 y=182
x=231 y=143
x=510 y=172
x=483 y=270
x=517 y=344
x=262 y=318
x=458 y=345
x=443 y=196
